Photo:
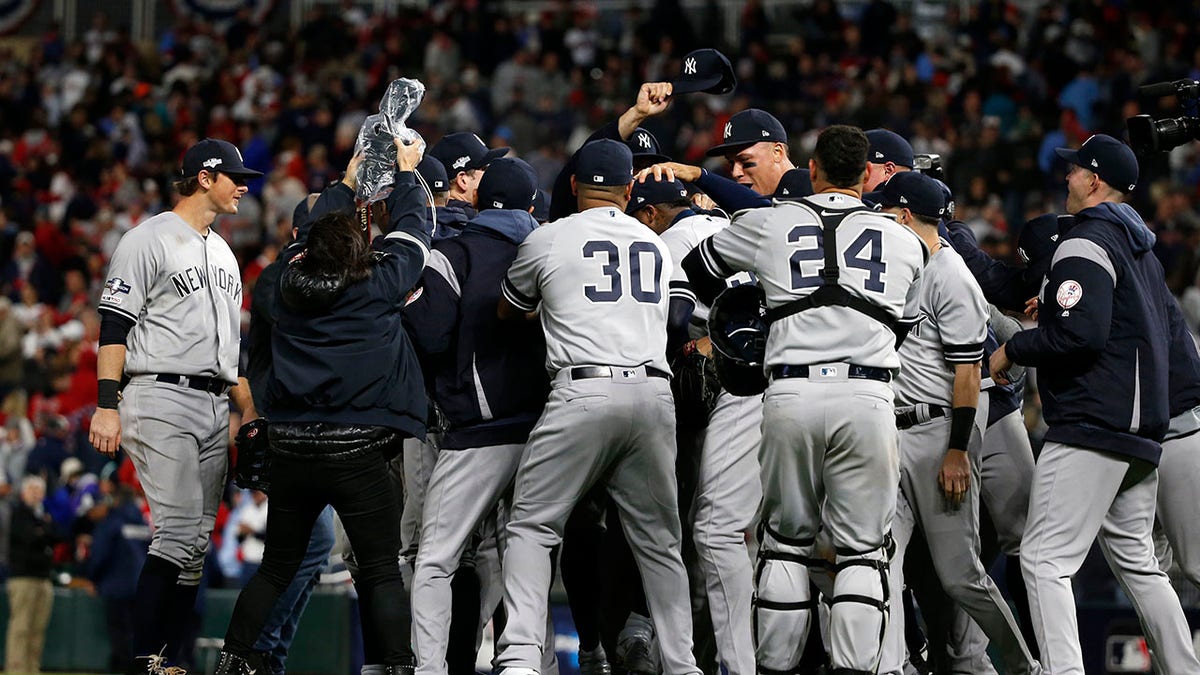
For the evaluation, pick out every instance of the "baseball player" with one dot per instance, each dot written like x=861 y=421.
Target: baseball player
x=170 y=320
x=480 y=369
x=728 y=489
x=889 y=154
x=610 y=414
x=465 y=158
x=755 y=144
x=1101 y=348
x=938 y=395
x=837 y=277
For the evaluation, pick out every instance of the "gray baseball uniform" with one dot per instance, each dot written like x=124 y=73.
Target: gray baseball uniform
x=951 y=331
x=183 y=292
x=828 y=454
x=601 y=279
x=728 y=488
x=1179 y=492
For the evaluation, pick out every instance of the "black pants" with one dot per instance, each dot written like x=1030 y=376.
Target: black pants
x=367 y=503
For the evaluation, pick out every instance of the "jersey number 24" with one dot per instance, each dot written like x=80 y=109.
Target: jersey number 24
x=864 y=253
x=640 y=253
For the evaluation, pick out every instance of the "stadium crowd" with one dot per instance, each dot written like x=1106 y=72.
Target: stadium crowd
x=92 y=129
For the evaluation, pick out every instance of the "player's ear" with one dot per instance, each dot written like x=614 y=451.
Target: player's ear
x=628 y=192
x=574 y=187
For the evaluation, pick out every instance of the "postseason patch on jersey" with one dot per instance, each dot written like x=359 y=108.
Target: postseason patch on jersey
x=1069 y=294
x=113 y=289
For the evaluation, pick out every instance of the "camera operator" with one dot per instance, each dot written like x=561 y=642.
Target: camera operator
x=335 y=423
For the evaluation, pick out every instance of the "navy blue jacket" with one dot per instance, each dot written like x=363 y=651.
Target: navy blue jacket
x=1184 y=377
x=345 y=358
x=1005 y=286
x=1102 y=343
x=487 y=375
x=451 y=219
x=118 y=551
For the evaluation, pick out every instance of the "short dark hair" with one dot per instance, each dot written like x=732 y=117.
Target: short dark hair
x=841 y=153
x=337 y=247
x=926 y=220
x=186 y=187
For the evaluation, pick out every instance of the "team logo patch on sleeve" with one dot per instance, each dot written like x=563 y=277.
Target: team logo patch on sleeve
x=1069 y=294
x=115 y=287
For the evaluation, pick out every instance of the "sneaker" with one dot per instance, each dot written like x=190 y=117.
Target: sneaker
x=636 y=655
x=594 y=662
x=231 y=664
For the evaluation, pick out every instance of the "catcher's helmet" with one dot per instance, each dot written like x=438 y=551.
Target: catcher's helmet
x=738 y=328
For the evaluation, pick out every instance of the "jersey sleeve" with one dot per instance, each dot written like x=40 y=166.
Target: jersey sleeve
x=131 y=275
x=724 y=254
x=962 y=316
x=522 y=285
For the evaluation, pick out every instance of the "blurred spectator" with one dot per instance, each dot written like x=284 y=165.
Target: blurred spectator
x=118 y=551
x=252 y=533
x=30 y=594
x=15 y=445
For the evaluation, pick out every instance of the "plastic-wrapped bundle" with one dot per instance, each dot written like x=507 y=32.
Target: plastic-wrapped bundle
x=375 y=138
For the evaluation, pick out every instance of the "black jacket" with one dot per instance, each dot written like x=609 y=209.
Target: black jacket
x=488 y=375
x=341 y=355
x=31 y=543
x=1102 y=342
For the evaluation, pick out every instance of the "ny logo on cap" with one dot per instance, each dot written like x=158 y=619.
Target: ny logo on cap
x=210 y=163
x=644 y=141
x=689 y=67
x=728 y=129
x=461 y=162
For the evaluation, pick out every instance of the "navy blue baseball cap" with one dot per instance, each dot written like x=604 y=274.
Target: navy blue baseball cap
x=914 y=191
x=1039 y=237
x=645 y=148
x=541 y=206
x=464 y=151
x=1108 y=158
x=794 y=184
x=655 y=192
x=434 y=174
x=213 y=154
x=604 y=162
x=889 y=146
x=746 y=128
x=704 y=70
x=508 y=183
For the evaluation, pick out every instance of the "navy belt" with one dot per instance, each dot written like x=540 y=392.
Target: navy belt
x=198 y=382
x=589 y=372
x=853 y=372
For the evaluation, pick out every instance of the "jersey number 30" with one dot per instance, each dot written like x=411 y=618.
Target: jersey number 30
x=640 y=252
x=864 y=253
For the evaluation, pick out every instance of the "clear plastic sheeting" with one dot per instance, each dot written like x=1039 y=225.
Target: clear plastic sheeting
x=376 y=173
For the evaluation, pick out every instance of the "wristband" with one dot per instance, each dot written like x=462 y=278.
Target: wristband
x=961 y=421
x=109 y=394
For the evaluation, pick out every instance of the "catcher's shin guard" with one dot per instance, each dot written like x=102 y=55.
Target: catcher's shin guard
x=783 y=602
x=859 y=611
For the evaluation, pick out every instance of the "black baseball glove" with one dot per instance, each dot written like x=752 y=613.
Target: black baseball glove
x=253 y=470
x=695 y=386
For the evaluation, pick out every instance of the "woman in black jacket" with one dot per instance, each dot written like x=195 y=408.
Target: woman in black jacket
x=346 y=390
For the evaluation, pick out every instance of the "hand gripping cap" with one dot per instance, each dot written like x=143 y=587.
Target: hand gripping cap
x=738 y=328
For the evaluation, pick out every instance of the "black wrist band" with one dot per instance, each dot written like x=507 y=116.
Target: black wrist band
x=961 y=421
x=109 y=394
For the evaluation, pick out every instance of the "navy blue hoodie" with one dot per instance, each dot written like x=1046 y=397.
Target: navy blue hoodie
x=1102 y=343
x=487 y=375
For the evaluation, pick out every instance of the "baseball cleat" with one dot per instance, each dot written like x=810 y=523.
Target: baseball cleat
x=594 y=662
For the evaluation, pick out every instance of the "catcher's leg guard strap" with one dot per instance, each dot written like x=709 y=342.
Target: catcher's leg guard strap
x=859 y=609
x=782 y=602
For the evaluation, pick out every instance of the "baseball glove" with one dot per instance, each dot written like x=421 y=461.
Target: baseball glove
x=695 y=386
x=253 y=470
